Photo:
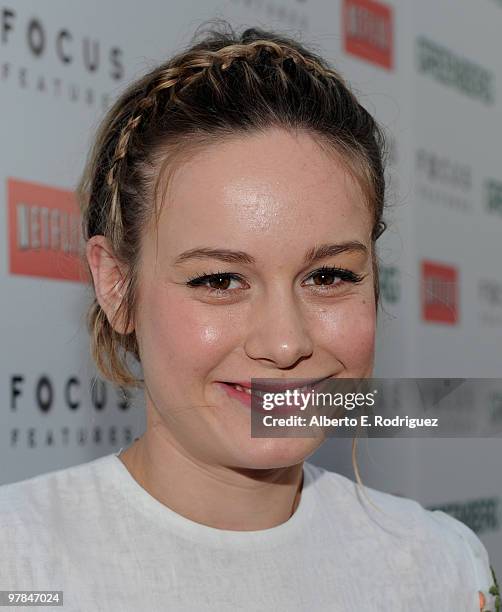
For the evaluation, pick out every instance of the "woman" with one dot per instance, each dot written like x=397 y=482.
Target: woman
x=231 y=206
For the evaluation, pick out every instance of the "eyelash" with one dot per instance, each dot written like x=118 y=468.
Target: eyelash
x=345 y=276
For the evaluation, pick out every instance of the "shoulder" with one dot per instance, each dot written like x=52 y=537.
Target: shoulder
x=40 y=500
x=365 y=503
x=469 y=547
x=59 y=478
x=442 y=548
x=48 y=521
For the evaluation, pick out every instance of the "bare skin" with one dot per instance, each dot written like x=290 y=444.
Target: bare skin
x=275 y=196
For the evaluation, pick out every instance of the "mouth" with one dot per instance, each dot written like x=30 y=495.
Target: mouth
x=260 y=389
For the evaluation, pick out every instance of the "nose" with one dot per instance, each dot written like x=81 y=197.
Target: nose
x=277 y=332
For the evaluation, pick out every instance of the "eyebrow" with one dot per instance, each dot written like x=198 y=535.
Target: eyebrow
x=312 y=255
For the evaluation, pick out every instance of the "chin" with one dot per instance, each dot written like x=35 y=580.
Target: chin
x=267 y=453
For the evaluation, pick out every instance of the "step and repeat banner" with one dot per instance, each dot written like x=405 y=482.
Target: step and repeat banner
x=433 y=81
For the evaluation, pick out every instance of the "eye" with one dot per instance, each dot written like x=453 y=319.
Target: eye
x=326 y=276
x=218 y=282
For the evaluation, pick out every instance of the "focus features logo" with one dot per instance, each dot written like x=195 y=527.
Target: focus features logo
x=368 y=31
x=439 y=293
x=437 y=169
x=61 y=46
x=443 y=181
x=48 y=413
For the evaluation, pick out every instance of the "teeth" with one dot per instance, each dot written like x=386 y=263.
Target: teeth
x=245 y=389
x=261 y=393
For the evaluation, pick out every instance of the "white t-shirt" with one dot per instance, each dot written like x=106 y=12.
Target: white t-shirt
x=93 y=532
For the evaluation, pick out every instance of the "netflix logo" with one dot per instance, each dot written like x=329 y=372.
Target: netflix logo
x=44 y=232
x=368 y=31
x=439 y=293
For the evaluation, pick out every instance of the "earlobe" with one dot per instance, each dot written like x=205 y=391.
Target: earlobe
x=108 y=277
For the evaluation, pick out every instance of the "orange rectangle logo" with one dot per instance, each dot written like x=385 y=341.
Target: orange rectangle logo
x=368 y=29
x=44 y=232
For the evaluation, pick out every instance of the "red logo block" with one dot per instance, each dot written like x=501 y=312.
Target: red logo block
x=368 y=29
x=44 y=232
x=439 y=293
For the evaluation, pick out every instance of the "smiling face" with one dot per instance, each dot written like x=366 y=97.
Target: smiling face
x=274 y=198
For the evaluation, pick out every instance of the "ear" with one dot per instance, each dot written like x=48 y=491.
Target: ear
x=108 y=276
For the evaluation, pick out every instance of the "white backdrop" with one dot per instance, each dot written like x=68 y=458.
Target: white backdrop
x=431 y=78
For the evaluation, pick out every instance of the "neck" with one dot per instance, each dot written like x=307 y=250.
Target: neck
x=236 y=499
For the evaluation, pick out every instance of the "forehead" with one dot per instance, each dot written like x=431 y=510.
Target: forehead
x=251 y=190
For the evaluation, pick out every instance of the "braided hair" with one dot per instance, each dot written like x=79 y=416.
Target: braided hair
x=225 y=85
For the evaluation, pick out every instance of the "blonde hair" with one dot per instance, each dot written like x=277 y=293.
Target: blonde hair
x=225 y=85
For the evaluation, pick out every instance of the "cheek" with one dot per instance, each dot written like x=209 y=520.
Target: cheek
x=180 y=336
x=347 y=331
